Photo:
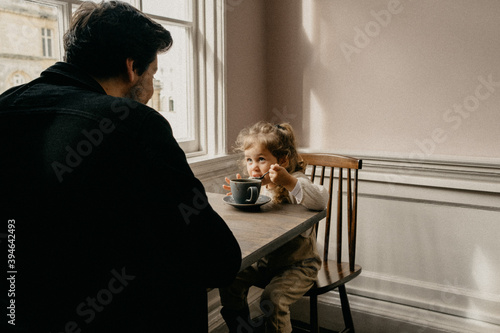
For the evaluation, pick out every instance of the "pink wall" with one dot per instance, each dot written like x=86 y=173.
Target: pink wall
x=246 y=65
x=395 y=78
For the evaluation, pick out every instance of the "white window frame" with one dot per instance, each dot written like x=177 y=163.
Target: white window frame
x=211 y=65
x=209 y=72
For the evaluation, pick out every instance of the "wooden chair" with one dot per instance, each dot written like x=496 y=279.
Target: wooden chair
x=334 y=274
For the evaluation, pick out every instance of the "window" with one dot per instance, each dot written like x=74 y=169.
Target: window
x=18 y=79
x=189 y=85
x=176 y=73
x=47 y=42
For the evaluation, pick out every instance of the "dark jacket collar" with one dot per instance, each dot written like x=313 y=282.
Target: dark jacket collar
x=65 y=71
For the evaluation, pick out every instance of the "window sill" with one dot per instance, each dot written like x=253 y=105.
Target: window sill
x=206 y=167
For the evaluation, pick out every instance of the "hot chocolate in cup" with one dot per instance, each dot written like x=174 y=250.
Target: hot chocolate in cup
x=245 y=191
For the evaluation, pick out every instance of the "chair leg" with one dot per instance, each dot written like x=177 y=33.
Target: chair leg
x=346 y=309
x=313 y=313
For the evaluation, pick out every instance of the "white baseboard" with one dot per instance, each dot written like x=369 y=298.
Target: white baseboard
x=375 y=316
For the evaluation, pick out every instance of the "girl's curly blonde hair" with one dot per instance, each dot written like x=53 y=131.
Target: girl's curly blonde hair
x=280 y=141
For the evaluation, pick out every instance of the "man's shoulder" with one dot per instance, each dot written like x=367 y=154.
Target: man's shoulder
x=121 y=107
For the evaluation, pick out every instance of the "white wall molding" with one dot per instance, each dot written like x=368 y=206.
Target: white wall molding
x=212 y=171
x=433 y=159
x=471 y=186
x=473 y=177
x=475 y=184
x=465 y=173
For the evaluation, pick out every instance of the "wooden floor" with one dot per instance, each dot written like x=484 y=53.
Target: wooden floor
x=300 y=327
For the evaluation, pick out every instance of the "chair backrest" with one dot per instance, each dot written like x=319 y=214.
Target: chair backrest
x=337 y=166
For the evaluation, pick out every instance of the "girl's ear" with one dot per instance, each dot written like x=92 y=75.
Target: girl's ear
x=283 y=162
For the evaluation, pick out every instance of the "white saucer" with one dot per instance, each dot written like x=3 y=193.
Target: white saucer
x=262 y=200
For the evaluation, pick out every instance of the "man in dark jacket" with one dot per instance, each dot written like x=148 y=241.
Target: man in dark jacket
x=109 y=230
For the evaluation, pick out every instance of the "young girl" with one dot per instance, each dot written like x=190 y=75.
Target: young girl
x=287 y=273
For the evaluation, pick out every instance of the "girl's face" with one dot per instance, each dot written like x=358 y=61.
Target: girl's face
x=259 y=161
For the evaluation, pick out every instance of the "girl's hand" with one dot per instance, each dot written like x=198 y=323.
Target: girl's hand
x=228 y=181
x=280 y=176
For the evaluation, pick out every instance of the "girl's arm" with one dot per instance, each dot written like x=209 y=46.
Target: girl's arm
x=312 y=196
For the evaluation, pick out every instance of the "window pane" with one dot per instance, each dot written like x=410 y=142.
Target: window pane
x=49 y=45
x=18 y=79
x=44 y=48
x=176 y=9
x=23 y=46
x=173 y=96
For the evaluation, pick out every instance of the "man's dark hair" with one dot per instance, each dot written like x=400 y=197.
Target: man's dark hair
x=102 y=36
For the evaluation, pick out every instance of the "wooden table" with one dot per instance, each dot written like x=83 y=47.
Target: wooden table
x=263 y=230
